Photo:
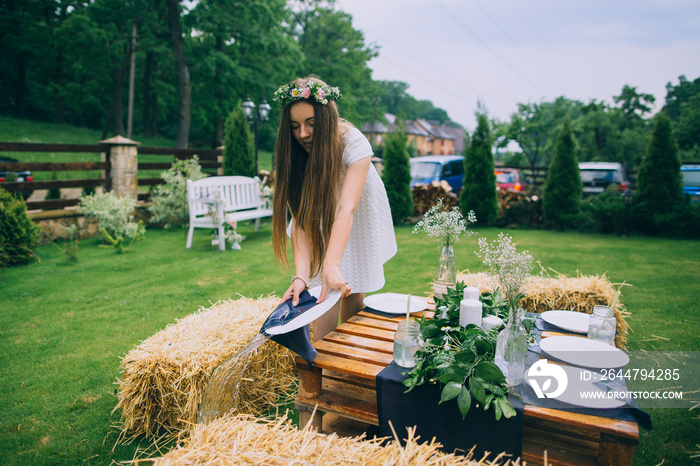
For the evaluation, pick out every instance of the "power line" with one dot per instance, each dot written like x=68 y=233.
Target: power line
x=446 y=11
x=505 y=33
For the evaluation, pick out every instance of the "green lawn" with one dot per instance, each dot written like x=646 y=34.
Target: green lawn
x=64 y=327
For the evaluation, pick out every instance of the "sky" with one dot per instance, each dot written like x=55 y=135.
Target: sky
x=457 y=53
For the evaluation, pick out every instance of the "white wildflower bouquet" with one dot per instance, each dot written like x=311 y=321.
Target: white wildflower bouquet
x=445 y=225
x=512 y=268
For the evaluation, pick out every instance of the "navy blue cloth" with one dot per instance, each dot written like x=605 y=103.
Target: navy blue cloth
x=298 y=340
x=420 y=408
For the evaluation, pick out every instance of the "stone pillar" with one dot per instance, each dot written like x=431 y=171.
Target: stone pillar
x=124 y=166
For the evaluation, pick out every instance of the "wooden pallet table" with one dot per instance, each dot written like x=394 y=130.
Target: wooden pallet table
x=343 y=382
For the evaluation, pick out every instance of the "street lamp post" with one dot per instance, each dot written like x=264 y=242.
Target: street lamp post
x=262 y=115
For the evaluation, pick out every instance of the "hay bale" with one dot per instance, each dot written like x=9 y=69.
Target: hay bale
x=579 y=294
x=164 y=378
x=244 y=440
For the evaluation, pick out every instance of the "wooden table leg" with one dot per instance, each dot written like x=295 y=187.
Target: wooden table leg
x=614 y=450
x=310 y=379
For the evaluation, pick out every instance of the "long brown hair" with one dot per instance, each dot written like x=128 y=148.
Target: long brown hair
x=307 y=183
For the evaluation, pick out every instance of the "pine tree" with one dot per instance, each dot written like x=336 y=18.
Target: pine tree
x=397 y=175
x=479 y=191
x=561 y=198
x=239 y=148
x=659 y=184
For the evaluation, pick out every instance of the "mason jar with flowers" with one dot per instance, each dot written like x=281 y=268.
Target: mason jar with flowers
x=509 y=270
x=446 y=226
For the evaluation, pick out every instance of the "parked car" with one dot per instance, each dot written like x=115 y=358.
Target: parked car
x=597 y=176
x=510 y=179
x=19 y=176
x=428 y=168
x=691 y=181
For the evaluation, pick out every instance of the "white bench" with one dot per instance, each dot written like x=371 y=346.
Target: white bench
x=215 y=200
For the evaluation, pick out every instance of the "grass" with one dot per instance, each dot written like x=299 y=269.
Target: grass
x=65 y=326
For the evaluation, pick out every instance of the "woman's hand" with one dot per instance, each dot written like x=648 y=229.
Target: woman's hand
x=294 y=291
x=332 y=278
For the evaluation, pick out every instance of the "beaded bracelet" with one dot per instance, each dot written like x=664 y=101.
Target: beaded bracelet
x=298 y=277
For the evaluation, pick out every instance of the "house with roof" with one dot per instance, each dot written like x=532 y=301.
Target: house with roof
x=429 y=138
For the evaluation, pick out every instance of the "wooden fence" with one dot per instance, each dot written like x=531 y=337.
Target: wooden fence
x=210 y=160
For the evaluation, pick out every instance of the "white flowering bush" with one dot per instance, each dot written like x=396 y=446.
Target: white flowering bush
x=113 y=213
x=168 y=202
x=510 y=267
x=445 y=225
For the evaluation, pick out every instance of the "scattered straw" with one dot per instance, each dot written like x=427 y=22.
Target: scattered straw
x=578 y=293
x=246 y=440
x=164 y=378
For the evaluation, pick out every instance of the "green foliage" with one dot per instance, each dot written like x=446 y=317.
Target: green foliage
x=688 y=127
x=479 y=190
x=19 y=236
x=562 y=188
x=461 y=359
x=71 y=247
x=239 y=148
x=397 y=176
x=114 y=215
x=606 y=212
x=659 y=182
x=123 y=244
x=169 y=200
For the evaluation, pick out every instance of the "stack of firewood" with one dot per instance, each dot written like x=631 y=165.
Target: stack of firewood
x=426 y=196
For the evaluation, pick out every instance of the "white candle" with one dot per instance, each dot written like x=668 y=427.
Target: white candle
x=471 y=292
x=490 y=322
x=470 y=312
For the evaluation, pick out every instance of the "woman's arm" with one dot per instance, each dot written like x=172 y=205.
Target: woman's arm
x=350 y=193
x=302 y=261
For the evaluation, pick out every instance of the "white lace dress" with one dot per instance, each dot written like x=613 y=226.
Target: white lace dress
x=372 y=241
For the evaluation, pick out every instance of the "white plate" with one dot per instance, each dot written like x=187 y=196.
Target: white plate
x=581 y=351
x=332 y=297
x=568 y=320
x=394 y=303
x=576 y=385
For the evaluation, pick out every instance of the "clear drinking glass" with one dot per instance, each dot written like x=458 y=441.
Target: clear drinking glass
x=407 y=340
x=602 y=325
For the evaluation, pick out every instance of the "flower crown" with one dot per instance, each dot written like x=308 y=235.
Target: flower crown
x=322 y=94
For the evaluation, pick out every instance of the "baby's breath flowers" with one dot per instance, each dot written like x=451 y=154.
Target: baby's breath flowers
x=445 y=225
x=507 y=264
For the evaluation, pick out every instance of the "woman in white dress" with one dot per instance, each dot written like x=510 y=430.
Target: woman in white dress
x=341 y=228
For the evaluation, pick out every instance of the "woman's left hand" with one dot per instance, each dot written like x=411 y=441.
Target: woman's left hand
x=332 y=278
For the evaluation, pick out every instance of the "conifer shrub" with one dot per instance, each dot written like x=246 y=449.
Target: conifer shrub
x=19 y=236
x=239 y=147
x=561 y=198
x=479 y=191
x=659 y=182
x=396 y=174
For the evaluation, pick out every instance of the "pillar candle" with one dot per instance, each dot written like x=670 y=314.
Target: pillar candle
x=470 y=312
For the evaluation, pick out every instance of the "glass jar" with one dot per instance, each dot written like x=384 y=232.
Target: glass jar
x=407 y=340
x=602 y=325
x=511 y=349
x=446 y=276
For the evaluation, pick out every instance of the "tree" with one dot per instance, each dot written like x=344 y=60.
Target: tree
x=688 y=127
x=397 y=175
x=183 y=74
x=659 y=185
x=679 y=94
x=336 y=52
x=561 y=198
x=479 y=191
x=534 y=127
x=239 y=149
